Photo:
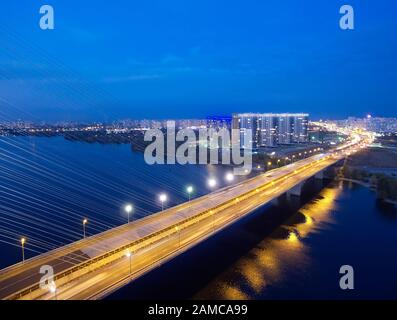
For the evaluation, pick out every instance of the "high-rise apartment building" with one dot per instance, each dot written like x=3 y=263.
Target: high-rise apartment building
x=300 y=125
x=244 y=122
x=267 y=134
x=271 y=129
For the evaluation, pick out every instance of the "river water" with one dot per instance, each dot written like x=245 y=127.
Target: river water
x=343 y=225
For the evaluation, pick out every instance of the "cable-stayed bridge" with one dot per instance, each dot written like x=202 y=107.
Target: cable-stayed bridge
x=98 y=265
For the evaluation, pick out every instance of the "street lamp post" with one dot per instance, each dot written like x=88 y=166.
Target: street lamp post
x=23 y=240
x=229 y=177
x=189 y=191
x=162 y=198
x=128 y=209
x=85 y=220
x=212 y=183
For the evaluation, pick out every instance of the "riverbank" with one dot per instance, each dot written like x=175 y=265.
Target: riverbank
x=369 y=186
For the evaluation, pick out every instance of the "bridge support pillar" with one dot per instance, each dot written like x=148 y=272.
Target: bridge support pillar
x=296 y=191
x=319 y=175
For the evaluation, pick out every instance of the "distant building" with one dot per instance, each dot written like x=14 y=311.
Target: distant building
x=300 y=128
x=375 y=124
x=244 y=122
x=271 y=129
x=217 y=122
x=267 y=135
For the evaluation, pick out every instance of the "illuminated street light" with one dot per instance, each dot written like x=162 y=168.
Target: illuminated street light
x=189 y=191
x=212 y=183
x=163 y=198
x=85 y=221
x=229 y=177
x=128 y=208
x=23 y=240
x=129 y=255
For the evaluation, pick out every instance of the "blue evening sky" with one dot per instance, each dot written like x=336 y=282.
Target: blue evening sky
x=190 y=59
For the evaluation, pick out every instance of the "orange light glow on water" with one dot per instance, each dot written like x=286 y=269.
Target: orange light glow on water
x=233 y=293
x=292 y=237
x=266 y=263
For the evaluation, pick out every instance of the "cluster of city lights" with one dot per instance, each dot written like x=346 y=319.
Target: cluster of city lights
x=293 y=157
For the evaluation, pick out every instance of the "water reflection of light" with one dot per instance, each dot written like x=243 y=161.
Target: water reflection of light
x=292 y=237
x=309 y=220
x=233 y=293
x=254 y=275
x=267 y=263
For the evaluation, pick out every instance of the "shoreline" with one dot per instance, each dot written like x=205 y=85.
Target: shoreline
x=369 y=186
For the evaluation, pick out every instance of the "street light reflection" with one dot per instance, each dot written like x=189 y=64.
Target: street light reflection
x=266 y=264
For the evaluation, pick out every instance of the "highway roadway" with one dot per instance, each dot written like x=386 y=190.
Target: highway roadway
x=96 y=266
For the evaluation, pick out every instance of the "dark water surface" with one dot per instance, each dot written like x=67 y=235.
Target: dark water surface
x=344 y=225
